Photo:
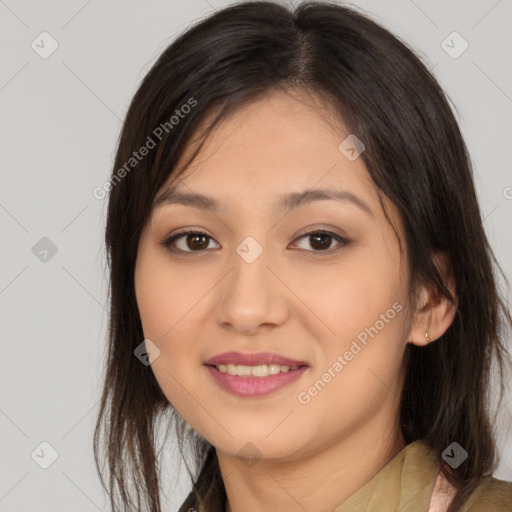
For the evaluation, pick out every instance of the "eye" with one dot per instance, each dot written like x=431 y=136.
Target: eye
x=322 y=240
x=194 y=240
x=198 y=241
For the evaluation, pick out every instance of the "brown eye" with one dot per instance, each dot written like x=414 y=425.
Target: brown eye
x=189 y=241
x=196 y=241
x=321 y=241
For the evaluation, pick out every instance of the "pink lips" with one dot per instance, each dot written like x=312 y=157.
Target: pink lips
x=251 y=386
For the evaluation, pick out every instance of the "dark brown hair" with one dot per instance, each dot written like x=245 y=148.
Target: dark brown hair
x=415 y=155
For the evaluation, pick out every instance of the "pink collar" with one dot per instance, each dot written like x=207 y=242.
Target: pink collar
x=442 y=494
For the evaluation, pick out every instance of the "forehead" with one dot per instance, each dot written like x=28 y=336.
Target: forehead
x=281 y=142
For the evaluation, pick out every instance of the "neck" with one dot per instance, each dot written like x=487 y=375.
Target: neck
x=318 y=481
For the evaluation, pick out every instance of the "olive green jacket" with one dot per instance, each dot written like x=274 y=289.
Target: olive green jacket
x=412 y=482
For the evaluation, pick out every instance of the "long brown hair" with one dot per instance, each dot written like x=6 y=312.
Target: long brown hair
x=415 y=155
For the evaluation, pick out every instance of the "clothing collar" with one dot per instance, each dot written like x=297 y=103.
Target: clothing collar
x=405 y=484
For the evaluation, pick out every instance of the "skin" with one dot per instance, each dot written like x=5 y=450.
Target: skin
x=294 y=299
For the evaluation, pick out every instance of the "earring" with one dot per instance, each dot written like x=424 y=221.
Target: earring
x=426 y=337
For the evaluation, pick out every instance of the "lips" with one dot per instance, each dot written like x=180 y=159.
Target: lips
x=255 y=359
x=255 y=387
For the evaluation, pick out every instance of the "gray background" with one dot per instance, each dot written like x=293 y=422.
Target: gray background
x=61 y=117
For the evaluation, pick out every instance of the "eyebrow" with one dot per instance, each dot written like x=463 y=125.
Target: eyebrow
x=287 y=202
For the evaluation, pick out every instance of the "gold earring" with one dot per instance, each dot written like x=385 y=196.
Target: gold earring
x=426 y=337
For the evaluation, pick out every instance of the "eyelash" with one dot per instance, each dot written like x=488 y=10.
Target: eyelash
x=171 y=240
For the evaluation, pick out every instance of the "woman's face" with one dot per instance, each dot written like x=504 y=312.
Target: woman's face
x=256 y=282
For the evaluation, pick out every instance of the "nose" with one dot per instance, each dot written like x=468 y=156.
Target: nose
x=251 y=298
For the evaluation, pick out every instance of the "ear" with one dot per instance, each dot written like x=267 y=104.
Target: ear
x=433 y=312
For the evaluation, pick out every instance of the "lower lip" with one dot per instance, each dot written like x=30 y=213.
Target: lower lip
x=255 y=386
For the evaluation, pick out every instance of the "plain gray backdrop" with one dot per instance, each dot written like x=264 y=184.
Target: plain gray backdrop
x=62 y=108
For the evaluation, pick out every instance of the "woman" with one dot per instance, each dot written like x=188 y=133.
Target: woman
x=300 y=278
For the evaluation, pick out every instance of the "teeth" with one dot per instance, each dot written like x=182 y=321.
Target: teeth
x=261 y=370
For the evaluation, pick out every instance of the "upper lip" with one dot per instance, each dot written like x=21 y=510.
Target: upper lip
x=254 y=359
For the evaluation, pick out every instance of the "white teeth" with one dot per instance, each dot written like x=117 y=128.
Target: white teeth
x=261 y=370
x=273 y=369
x=239 y=369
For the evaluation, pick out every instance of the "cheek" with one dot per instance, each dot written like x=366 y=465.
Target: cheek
x=351 y=294
x=171 y=302
x=164 y=295
x=165 y=316
x=362 y=301
x=360 y=368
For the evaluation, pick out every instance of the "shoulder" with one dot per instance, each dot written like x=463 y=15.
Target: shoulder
x=491 y=495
